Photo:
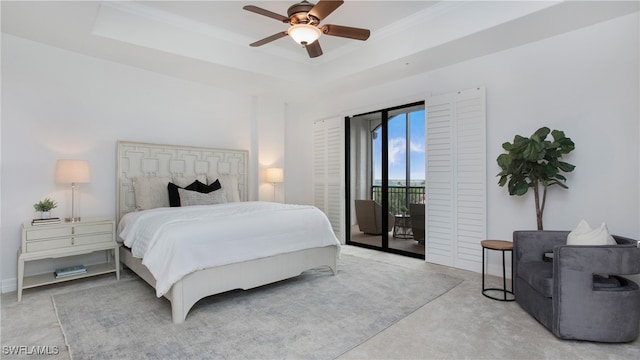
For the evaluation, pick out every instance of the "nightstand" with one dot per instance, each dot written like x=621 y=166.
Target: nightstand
x=67 y=239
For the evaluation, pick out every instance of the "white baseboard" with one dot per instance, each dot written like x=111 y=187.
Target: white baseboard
x=9 y=285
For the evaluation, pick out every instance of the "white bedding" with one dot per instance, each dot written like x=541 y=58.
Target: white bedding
x=174 y=242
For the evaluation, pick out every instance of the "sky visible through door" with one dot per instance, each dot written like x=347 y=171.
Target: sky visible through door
x=398 y=150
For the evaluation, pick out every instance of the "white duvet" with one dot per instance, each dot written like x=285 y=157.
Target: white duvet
x=173 y=242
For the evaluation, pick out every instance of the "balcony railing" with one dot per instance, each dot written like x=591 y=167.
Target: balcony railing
x=399 y=197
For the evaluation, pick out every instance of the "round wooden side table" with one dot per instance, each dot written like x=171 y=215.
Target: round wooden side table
x=499 y=245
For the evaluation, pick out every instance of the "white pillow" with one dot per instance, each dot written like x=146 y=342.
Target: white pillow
x=583 y=234
x=151 y=192
x=229 y=184
x=189 y=198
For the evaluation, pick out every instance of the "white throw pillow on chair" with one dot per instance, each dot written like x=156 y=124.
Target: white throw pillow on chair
x=583 y=234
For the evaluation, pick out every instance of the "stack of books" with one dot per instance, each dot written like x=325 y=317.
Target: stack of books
x=70 y=271
x=54 y=220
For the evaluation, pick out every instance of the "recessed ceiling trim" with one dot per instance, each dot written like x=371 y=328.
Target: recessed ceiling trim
x=196 y=27
x=447 y=22
x=174 y=34
x=178 y=21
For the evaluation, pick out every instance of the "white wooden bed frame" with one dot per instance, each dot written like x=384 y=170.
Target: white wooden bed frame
x=143 y=159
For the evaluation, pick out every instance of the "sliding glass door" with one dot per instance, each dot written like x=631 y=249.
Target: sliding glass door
x=387 y=179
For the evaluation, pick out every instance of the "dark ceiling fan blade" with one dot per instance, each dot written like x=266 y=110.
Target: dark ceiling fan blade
x=267 y=13
x=323 y=8
x=314 y=49
x=269 y=39
x=346 y=32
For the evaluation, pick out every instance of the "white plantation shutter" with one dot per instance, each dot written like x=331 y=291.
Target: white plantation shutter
x=471 y=177
x=456 y=178
x=439 y=196
x=328 y=175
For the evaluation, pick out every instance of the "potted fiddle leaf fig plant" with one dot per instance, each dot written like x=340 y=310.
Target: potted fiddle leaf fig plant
x=44 y=207
x=535 y=163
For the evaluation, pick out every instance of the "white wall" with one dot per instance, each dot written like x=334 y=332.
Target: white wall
x=58 y=104
x=271 y=115
x=584 y=82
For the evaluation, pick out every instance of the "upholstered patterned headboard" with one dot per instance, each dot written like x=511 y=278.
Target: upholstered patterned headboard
x=153 y=160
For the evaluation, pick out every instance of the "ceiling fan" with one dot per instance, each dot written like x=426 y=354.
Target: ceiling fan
x=304 y=18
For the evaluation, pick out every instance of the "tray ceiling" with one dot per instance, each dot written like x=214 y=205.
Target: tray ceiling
x=208 y=41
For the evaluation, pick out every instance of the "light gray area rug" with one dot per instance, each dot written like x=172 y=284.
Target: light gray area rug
x=313 y=316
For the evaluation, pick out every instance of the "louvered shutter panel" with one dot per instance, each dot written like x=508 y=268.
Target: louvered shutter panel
x=470 y=177
x=319 y=166
x=328 y=170
x=456 y=178
x=439 y=196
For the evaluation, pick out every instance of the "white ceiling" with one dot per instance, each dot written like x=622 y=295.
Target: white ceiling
x=208 y=41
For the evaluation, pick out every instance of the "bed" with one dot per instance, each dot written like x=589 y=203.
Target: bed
x=143 y=169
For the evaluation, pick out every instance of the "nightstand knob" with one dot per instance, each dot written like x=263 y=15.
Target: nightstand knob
x=73 y=241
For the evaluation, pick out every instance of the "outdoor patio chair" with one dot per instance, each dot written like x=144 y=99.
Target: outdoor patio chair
x=417 y=221
x=369 y=217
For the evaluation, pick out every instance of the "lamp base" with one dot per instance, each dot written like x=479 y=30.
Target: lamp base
x=72 y=219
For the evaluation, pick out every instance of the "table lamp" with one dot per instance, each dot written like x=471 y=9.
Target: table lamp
x=73 y=172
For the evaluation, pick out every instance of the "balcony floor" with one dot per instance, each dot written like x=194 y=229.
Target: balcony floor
x=409 y=245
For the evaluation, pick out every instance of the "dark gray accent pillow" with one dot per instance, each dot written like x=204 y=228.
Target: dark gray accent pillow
x=203 y=188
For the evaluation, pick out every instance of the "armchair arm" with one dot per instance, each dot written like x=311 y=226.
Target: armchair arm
x=581 y=311
x=569 y=261
x=531 y=245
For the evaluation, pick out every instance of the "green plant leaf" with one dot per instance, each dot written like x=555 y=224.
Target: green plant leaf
x=518 y=146
x=567 y=146
x=503 y=161
x=550 y=171
x=520 y=188
x=541 y=133
x=557 y=135
x=565 y=166
x=518 y=139
x=530 y=152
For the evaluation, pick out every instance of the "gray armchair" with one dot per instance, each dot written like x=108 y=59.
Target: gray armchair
x=369 y=217
x=577 y=294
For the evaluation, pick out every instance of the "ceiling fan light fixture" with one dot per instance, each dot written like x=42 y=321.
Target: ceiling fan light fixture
x=304 y=34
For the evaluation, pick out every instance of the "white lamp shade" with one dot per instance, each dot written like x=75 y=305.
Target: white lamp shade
x=73 y=171
x=304 y=33
x=275 y=175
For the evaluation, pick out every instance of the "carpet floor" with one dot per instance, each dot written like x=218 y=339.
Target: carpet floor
x=312 y=316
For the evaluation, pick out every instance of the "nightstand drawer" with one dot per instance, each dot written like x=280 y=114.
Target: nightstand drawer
x=94 y=239
x=35 y=234
x=66 y=242
x=47 y=233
